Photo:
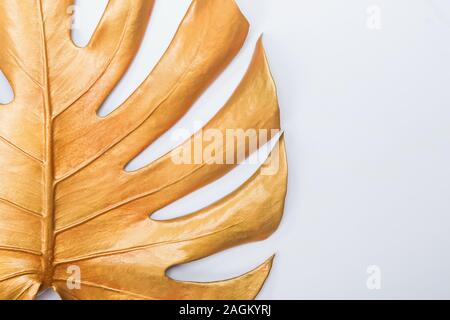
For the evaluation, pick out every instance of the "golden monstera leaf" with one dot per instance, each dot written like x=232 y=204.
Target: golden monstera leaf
x=66 y=199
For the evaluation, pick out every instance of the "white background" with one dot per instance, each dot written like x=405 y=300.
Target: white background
x=366 y=114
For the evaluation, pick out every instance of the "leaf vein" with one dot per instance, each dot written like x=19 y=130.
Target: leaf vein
x=24 y=290
x=125 y=202
x=22 y=151
x=99 y=286
x=22 y=250
x=18 y=274
x=143 y=247
x=23 y=69
x=15 y=205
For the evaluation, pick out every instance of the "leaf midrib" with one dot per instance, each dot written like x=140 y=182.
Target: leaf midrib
x=48 y=219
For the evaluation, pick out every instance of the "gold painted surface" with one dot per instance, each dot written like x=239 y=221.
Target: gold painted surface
x=65 y=198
